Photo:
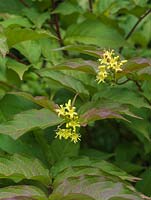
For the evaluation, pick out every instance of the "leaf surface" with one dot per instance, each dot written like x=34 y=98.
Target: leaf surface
x=19 y=167
x=94 y=32
x=22 y=192
x=29 y=120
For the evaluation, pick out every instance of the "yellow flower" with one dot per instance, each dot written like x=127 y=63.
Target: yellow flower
x=75 y=137
x=106 y=57
x=68 y=105
x=61 y=111
x=109 y=61
x=64 y=133
x=74 y=123
x=102 y=74
x=67 y=111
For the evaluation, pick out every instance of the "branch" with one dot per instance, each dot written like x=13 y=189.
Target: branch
x=135 y=25
x=56 y=23
x=141 y=90
x=24 y=3
x=90 y=6
x=13 y=56
x=138 y=22
x=57 y=27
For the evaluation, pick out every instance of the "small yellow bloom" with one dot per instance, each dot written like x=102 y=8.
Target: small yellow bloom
x=74 y=124
x=64 y=133
x=68 y=105
x=61 y=111
x=102 y=74
x=68 y=112
x=109 y=61
x=75 y=137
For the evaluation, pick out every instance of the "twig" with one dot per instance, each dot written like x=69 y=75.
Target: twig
x=135 y=25
x=13 y=56
x=138 y=86
x=24 y=3
x=90 y=6
x=56 y=23
x=57 y=27
x=74 y=99
x=141 y=90
x=139 y=20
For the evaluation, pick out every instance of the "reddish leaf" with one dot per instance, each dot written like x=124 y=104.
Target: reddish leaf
x=88 y=66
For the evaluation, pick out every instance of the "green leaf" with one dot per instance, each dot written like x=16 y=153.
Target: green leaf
x=99 y=166
x=96 y=187
x=94 y=32
x=126 y=152
x=11 y=6
x=29 y=120
x=85 y=49
x=36 y=17
x=65 y=80
x=141 y=128
x=95 y=179
x=61 y=149
x=144 y=185
x=22 y=192
x=13 y=79
x=30 y=49
x=58 y=196
x=18 y=67
x=24 y=35
x=16 y=20
x=48 y=48
x=130 y=167
x=67 y=8
x=21 y=146
x=43 y=101
x=93 y=153
x=122 y=95
x=9 y=107
x=19 y=167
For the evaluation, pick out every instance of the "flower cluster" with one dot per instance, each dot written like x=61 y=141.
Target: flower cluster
x=68 y=112
x=109 y=63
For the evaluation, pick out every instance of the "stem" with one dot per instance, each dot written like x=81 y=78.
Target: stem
x=90 y=6
x=56 y=23
x=141 y=91
x=74 y=99
x=138 y=22
x=13 y=56
x=57 y=27
x=24 y=3
x=135 y=25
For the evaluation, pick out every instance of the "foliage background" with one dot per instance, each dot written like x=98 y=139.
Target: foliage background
x=49 y=53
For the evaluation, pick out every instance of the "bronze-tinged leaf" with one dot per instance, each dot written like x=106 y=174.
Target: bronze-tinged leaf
x=87 y=66
x=134 y=65
x=22 y=192
x=102 y=113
